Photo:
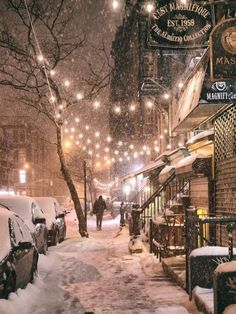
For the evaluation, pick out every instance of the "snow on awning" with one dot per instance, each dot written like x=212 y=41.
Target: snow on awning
x=166 y=173
x=150 y=167
x=208 y=134
x=185 y=166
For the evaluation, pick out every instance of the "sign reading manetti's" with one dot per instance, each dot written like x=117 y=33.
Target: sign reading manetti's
x=178 y=25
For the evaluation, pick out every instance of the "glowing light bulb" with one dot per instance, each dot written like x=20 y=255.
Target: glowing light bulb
x=120 y=143
x=181 y=84
x=132 y=108
x=97 y=134
x=117 y=109
x=52 y=99
x=106 y=149
x=131 y=146
x=88 y=141
x=66 y=130
x=166 y=96
x=71 y=136
x=81 y=135
x=149 y=7
x=77 y=142
x=161 y=137
x=90 y=152
x=168 y=146
x=116 y=152
x=52 y=72
x=77 y=120
x=135 y=155
x=109 y=139
x=40 y=58
x=115 y=4
x=84 y=148
x=72 y=129
x=79 y=96
x=86 y=127
x=165 y=131
x=97 y=146
x=96 y=104
x=149 y=104
x=157 y=149
x=97 y=155
x=67 y=83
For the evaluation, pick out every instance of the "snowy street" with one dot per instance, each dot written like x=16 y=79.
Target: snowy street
x=97 y=274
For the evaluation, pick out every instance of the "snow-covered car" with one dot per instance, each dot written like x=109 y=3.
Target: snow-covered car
x=55 y=219
x=18 y=254
x=28 y=209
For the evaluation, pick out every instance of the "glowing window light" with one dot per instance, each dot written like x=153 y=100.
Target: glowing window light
x=22 y=176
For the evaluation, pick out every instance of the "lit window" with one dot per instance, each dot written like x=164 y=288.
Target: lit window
x=22 y=176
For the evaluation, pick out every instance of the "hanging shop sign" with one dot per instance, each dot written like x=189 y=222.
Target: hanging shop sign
x=218 y=92
x=179 y=25
x=223 y=50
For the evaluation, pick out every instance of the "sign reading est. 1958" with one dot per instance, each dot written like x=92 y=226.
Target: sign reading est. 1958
x=179 y=25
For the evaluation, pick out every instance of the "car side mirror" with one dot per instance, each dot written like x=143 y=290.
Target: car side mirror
x=39 y=220
x=61 y=215
x=25 y=245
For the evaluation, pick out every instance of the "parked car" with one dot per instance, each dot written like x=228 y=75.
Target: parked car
x=28 y=209
x=55 y=218
x=18 y=254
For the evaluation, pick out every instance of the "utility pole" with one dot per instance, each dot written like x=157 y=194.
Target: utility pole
x=85 y=194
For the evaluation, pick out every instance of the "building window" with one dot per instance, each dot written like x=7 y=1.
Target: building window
x=149 y=115
x=22 y=176
x=22 y=156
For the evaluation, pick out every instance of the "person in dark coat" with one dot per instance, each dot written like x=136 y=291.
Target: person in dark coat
x=122 y=214
x=98 y=209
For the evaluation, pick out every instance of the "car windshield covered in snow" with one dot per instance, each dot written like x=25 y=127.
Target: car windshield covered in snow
x=50 y=208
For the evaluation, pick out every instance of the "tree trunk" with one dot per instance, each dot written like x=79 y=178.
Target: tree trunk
x=67 y=176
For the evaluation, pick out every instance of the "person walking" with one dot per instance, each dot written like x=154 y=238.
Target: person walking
x=98 y=209
x=122 y=214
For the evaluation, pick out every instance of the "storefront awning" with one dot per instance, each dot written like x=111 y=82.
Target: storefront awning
x=193 y=165
x=150 y=167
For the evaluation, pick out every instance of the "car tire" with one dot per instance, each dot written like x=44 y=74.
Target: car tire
x=10 y=285
x=34 y=270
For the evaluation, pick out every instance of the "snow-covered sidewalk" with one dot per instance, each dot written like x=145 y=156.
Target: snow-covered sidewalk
x=97 y=274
